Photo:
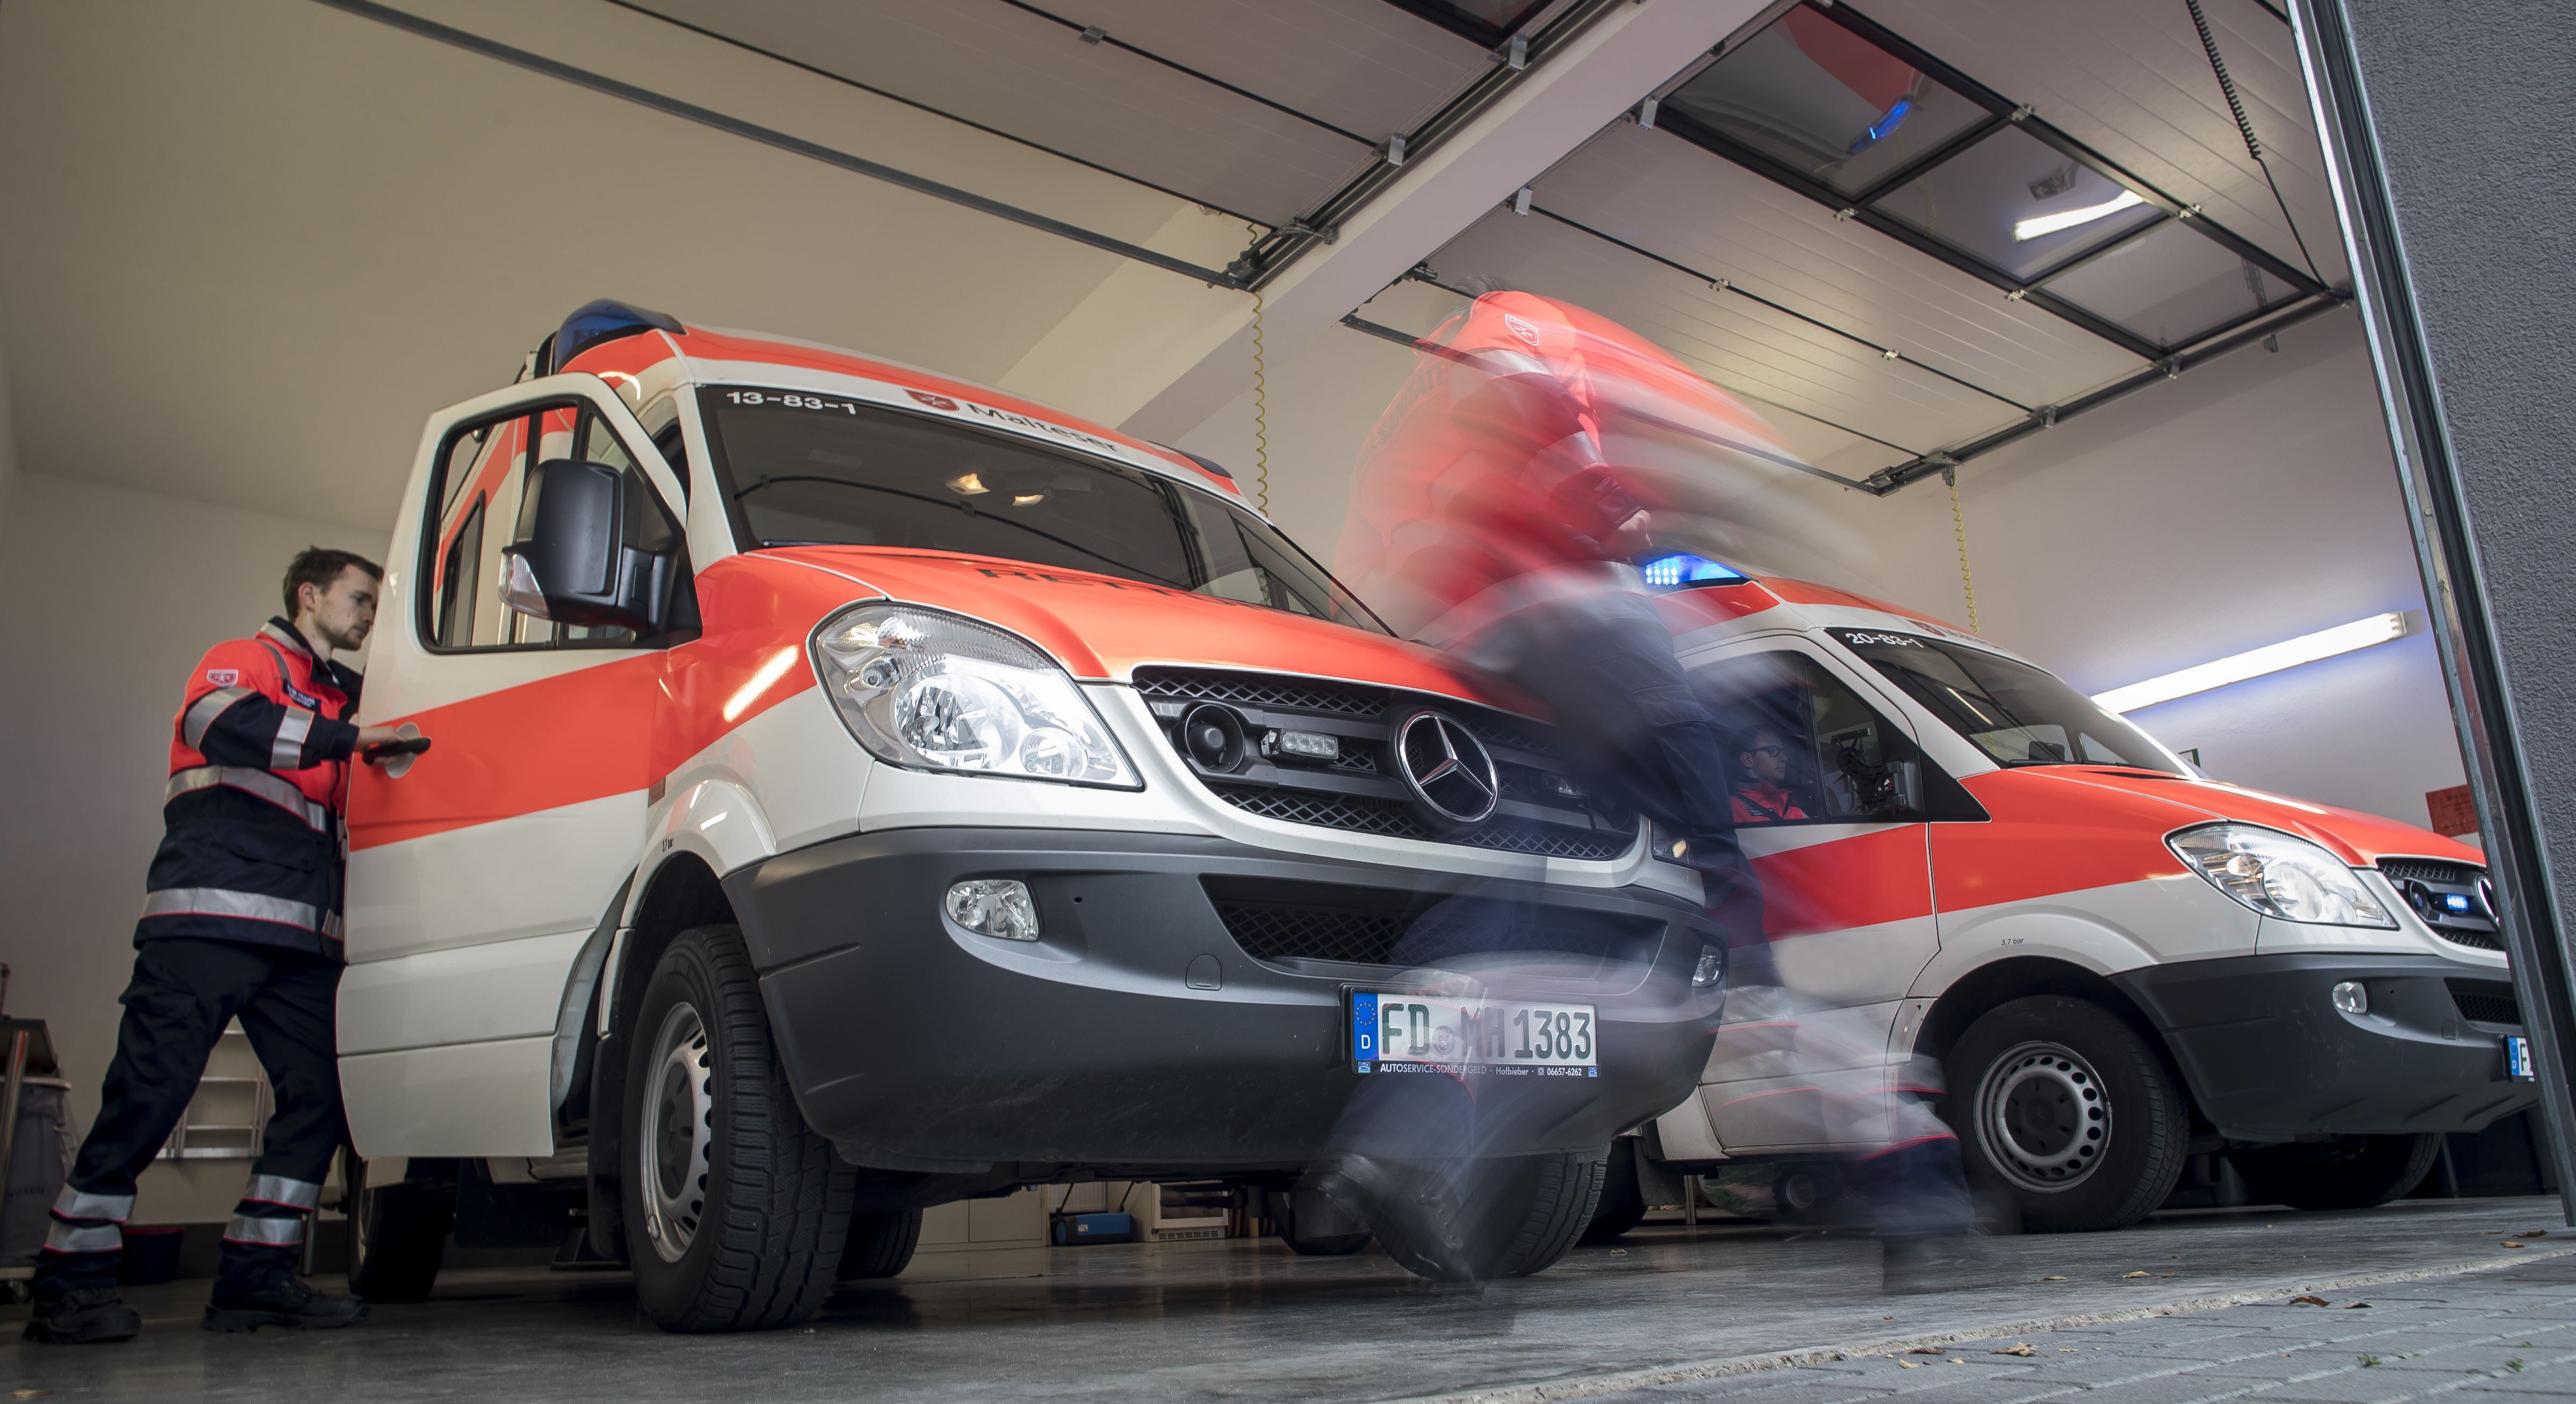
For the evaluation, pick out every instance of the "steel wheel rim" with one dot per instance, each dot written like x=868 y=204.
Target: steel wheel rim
x=2043 y=1117
x=678 y=1132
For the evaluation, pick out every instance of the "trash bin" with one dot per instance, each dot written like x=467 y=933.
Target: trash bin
x=39 y=1159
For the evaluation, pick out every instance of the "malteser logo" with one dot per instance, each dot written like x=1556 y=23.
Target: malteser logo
x=1521 y=329
x=223 y=677
x=937 y=402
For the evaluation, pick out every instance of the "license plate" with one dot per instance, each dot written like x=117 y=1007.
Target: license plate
x=2517 y=1057
x=1409 y=1032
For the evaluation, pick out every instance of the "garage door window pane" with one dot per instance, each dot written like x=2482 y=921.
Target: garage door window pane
x=2019 y=204
x=2171 y=285
x=1826 y=102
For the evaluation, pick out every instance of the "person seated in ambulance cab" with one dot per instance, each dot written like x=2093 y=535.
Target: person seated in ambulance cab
x=1763 y=796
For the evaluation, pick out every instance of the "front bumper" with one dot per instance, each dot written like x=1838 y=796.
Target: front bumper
x=1138 y=1034
x=2267 y=1056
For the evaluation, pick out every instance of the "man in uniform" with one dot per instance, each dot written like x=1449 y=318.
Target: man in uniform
x=241 y=919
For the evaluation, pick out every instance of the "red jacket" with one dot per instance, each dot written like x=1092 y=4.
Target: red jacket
x=1487 y=468
x=251 y=848
x=1759 y=802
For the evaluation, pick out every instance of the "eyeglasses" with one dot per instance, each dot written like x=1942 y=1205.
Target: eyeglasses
x=1774 y=750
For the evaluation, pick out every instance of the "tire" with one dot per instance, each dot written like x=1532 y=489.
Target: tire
x=2068 y=1112
x=1500 y=1218
x=879 y=1245
x=1808 y=1193
x=1294 y=1227
x=2348 y=1172
x=397 y=1233
x=1622 y=1205
x=736 y=1212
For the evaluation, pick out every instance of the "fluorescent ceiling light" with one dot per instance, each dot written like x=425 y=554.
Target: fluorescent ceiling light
x=2306 y=648
x=2038 y=225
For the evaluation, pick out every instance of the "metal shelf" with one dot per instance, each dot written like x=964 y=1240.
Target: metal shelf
x=233 y=1140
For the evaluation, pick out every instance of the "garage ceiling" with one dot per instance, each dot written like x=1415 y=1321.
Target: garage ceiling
x=1970 y=265
x=1259 y=109
x=1875 y=353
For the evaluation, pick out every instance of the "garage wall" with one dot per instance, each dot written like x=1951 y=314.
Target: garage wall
x=117 y=594
x=2249 y=502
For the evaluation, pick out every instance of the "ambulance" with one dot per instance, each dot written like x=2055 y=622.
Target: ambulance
x=850 y=790
x=1989 y=898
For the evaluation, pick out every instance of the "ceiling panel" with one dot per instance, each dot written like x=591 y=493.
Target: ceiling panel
x=1783 y=363
x=1032 y=78
x=2130 y=80
x=1364 y=65
x=1709 y=214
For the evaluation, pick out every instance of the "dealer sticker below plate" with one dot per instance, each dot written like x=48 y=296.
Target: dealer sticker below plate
x=2517 y=1057
x=1426 y=1033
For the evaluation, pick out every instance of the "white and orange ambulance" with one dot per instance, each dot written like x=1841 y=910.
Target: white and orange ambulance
x=1984 y=888
x=854 y=790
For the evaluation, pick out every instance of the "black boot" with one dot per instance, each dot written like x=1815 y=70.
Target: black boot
x=83 y=1316
x=286 y=1302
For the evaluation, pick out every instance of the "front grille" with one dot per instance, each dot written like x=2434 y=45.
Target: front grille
x=1542 y=812
x=1266 y=690
x=1329 y=811
x=2430 y=885
x=2485 y=1001
x=1359 y=814
x=1278 y=921
x=2427 y=870
x=1268 y=931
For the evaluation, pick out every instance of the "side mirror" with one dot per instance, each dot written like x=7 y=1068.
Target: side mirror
x=571 y=561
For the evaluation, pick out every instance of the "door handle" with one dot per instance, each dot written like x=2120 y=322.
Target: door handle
x=395 y=757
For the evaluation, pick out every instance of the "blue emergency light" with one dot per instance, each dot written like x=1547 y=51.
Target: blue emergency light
x=1887 y=123
x=2455 y=901
x=1681 y=571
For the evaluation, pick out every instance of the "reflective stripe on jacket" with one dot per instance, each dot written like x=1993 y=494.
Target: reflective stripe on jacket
x=251 y=848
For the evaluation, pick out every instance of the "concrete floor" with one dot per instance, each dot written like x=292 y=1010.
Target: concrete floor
x=1674 y=1309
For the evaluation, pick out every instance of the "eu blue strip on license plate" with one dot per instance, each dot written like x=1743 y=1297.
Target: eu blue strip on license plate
x=1411 y=1032
x=2517 y=1057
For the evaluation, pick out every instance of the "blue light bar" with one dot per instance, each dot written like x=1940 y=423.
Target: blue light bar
x=1680 y=571
x=1886 y=124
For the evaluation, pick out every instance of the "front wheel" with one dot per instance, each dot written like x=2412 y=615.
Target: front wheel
x=2348 y=1172
x=1315 y=1225
x=1622 y=1205
x=1472 y=1222
x=736 y=1211
x=879 y=1245
x=397 y=1233
x=2068 y=1111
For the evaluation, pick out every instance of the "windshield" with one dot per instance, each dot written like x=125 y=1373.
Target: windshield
x=817 y=470
x=2015 y=713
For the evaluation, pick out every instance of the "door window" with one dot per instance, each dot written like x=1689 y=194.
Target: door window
x=1800 y=746
x=481 y=493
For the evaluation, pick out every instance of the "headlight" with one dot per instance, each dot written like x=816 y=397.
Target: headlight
x=2280 y=876
x=928 y=689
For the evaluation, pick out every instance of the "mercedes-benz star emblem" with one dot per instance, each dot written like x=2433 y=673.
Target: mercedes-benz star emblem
x=1447 y=768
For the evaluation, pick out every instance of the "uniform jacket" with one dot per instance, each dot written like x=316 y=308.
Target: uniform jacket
x=253 y=844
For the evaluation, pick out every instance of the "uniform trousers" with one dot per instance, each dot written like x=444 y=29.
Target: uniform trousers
x=184 y=992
